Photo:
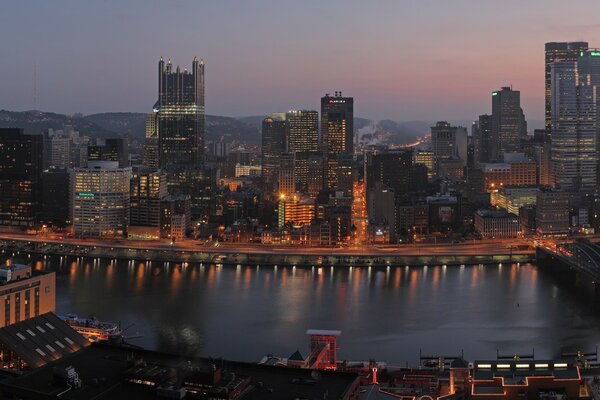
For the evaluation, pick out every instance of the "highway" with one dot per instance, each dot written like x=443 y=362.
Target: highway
x=487 y=247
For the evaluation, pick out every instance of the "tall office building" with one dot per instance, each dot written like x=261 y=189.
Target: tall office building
x=56 y=197
x=557 y=51
x=180 y=109
x=449 y=145
x=180 y=124
x=508 y=124
x=286 y=183
x=302 y=131
x=57 y=150
x=150 y=159
x=113 y=149
x=273 y=145
x=481 y=133
x=337 y=134
x=588 y=65
x=100 y=199
x=574 y=127
x=391 y=168
x=20 y=177
x=147 y=189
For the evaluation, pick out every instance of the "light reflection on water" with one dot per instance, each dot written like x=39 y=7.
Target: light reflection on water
x=243 y=312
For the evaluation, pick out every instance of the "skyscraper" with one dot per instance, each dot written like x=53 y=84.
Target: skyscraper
x=508 y=124
x=449 y=145
x=481 y=132
x=273 y=144
x=180 y=124
x=101 y=199
x=20 y=177
x=302 y=131
x=588 y=65
x=574 y=127
x=337 y=133
x=557 y=51
x=151 y=142
x=180 y=108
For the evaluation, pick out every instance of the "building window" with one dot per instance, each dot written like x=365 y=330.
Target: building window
x=6 y=310
x=17 y=307
x=36 y=302
x=27 y=304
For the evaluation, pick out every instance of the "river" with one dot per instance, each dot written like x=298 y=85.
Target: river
x=245 y=312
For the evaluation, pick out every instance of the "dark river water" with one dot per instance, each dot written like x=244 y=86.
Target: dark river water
x=390 y=314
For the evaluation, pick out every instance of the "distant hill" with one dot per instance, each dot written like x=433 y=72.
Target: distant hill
x=37 y=121
x=134 y=124
x=124 y=123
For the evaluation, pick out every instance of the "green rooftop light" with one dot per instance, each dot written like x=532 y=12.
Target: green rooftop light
x=494 y=93
x=595 y=53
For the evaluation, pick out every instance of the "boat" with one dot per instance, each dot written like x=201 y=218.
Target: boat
x=94 y=330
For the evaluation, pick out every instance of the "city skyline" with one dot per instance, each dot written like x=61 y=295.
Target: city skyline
x=396 y=58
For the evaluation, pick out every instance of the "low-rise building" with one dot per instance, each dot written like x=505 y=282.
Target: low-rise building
x=552 y=212
x=525 y=379
x=26 y=293
x=496 y=224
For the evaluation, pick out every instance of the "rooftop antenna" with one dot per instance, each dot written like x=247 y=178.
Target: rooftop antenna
x=35 y=96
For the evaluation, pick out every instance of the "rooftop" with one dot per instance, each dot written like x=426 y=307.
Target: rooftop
x=42 y=339
x=108 y=372
x=515 y=372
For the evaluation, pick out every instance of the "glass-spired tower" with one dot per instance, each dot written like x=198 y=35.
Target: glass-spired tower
x=180 y=114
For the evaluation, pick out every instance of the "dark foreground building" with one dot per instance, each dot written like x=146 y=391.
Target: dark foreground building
x=107 y=372
x=20 y=177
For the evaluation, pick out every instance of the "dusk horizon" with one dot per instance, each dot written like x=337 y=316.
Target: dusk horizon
x=265 y=61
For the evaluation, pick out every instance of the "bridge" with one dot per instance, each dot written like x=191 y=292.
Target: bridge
x=580 y=255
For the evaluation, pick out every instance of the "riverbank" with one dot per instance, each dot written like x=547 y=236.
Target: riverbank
x=457 y=254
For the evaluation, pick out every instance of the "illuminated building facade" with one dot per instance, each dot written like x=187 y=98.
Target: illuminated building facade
x=25 y=293
x=20 y=177
x=273 y=145
x=337 y=133
x=496 y=224
x=287 y=174
x=175 y=217
x=425 y=157
x=360 y=219
x=148 y=188
x=518 y=172
x=512 y=198
x=296 y=210
x=323 y=348
x=100 y=197
x=526 y=379
x=151 y=141
x=508 y=124
x=557 y=51
x=180 y=109
x=574 y=127
x=302 y=131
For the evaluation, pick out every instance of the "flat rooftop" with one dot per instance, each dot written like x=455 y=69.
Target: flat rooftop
x=323 y=332
x=102 y=370
x=515 y=372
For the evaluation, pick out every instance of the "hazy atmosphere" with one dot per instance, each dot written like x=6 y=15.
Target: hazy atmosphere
x=402 y=60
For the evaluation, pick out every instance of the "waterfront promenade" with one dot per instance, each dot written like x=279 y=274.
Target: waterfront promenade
x=477 y=252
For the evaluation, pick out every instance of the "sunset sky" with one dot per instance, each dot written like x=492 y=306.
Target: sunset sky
x=403 y=60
